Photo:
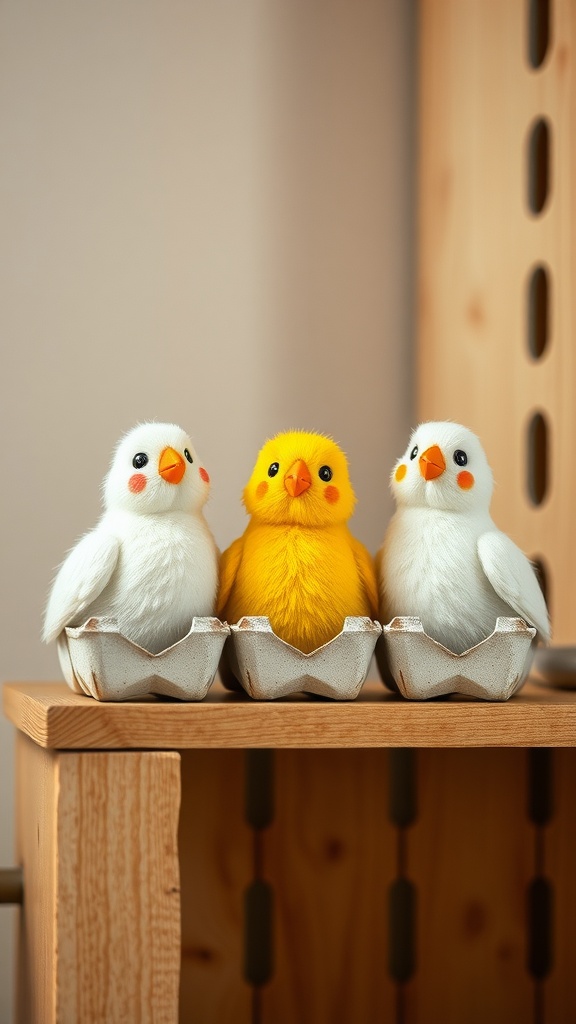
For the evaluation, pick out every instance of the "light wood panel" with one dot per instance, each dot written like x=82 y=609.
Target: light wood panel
x=330 y=855
x=55 y=717
x=100 y=933
x=560 y=861
x=478 y=243
x=470 y=856
x=215 y=846
x=36 y=850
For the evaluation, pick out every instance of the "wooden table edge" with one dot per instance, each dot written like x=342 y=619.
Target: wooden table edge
x=54 y=717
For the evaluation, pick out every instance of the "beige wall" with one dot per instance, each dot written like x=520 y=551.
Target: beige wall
x=206 y=215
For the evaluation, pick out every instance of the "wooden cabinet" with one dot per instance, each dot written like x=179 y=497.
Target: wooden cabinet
x=297 y=861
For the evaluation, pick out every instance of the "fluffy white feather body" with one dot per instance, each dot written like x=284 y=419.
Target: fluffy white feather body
x=431 y=569
x=151 y=563
x=443 y=559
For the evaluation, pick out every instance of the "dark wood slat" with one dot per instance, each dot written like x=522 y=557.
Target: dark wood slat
x=216 y=863
x=471 y=858
x=559 y=996
x=330 y=855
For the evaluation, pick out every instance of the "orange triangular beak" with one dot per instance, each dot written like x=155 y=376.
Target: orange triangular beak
x=432 y=463
x=171 y=466
x=297 y=479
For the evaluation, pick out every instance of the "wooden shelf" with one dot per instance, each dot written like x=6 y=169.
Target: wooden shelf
x=54 y=717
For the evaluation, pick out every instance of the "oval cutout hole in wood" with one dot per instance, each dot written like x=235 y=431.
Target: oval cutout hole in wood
x=538 y=311
x=537 y=459
x=258 y=933
x=538 y=165
x=540 y=939
x=540 y=786
x=538 y=31
x=402 y=930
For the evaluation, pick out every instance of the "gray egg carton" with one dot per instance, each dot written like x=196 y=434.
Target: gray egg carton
x=268 y=667
x=98 y=660
x=420 y=667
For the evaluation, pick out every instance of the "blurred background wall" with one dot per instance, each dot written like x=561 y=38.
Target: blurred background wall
x=206 y=217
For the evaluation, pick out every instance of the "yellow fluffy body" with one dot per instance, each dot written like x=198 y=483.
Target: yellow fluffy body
x=297 y=561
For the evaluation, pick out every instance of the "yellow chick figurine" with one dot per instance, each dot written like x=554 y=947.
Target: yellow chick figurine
x=297 y=561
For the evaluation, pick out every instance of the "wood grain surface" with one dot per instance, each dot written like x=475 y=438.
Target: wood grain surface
x=470 y=856
x=330 y=856
x=53 y=716
x=215 y=846
x=478 y=245
x=36 y=851
x=100 y=935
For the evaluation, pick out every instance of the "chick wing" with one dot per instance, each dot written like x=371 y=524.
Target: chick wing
x=80 y=580
x=513 y=579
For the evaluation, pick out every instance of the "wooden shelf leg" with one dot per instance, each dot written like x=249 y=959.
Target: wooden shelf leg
x=99 y=935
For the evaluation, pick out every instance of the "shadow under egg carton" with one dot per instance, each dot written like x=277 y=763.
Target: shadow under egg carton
x=99 y=661
x=267 y=667
x=419 y=667
x=555 y=666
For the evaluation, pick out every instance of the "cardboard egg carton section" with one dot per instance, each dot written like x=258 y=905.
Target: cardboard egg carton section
x=419 y=667
x=98 y=661
x=268 y=667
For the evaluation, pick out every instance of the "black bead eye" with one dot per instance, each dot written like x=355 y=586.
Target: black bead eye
x=325 y=473
x=460 y=457
x=414 y=452
x=140 y=460
x=273 y=469
x=188 y=456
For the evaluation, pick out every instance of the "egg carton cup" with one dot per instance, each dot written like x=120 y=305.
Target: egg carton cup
x=98 y=660
x=419 y=667
x=268 y=667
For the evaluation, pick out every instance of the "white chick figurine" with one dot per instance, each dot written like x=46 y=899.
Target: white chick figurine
x=443 y=559
x=151 y=563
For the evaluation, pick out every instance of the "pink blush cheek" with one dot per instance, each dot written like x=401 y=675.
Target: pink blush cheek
x=137 y=483
x=465 y=480
x=204 y=475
